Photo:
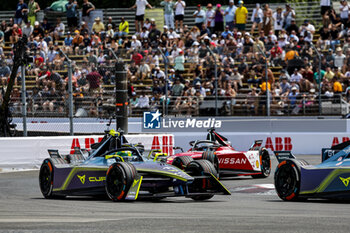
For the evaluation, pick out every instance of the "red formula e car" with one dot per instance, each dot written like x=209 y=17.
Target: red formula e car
x=229 y=162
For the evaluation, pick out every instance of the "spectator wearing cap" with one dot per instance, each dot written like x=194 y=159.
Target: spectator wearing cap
x=210 y=18
x=88 y=7
x=226 y=33
x=154 y=34
x=27 y=29
x=158 y=74
x=199 y=16
x=168 y=12
x=219 y=19
x=307 y=30
x=230 y=15
x=98 y=26
x=293 y=98
x=241 y=16
x=257 y=18
x=296 y=76
x=33 y=8
x=276 y=54
x=38 y=30
x=140 y=6
x=278 y=19
x=284 y=86
x=179 y=62
x=43 y=77
x=292 y=27
x=71 y=11
x=123 y=27
x=289 y=15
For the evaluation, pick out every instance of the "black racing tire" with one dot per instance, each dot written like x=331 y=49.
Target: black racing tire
x=46 y=175
x=199 y=168
x=265 y=164
x=46 y=178
x=287 y=180
x=211 y=157
x=119 y=179
x=182 y=161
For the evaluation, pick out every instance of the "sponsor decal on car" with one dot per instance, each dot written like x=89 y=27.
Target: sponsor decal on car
x=233 y=161
x=345 y=181
x=82 y=179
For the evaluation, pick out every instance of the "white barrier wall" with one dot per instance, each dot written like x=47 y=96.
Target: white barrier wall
x=298 y=143
x=31 y=151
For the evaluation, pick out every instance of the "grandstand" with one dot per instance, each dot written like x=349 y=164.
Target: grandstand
x=236 y=105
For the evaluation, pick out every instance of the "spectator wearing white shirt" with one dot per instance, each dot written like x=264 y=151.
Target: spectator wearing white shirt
x=339 y=58
x=140 y=6
x=199 y=16
x=296 y=76
x=257 y=18
x=179 y=14
x=289 y=15
x=230 y=16
x=307 y=30
x=144 y=33
x=344 y=11
x=135 y=43
x=210 y=17
x=278 y=18
x=143 y=101
x=27 y=29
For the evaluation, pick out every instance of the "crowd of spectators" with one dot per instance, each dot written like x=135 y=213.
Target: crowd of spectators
x=191 y=77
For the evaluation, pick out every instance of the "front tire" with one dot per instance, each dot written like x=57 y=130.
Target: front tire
x=265 y=165
x=181 y=162
x=119 y=179
x=287 y=180
x=211 y=157
x=200 y=168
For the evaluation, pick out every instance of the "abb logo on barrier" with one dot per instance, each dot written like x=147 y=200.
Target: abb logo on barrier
x=280 y=144
x=336 y=141
x=166 y=145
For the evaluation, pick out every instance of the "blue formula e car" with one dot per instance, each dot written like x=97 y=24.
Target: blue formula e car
x=297 y=180
x=118 y=170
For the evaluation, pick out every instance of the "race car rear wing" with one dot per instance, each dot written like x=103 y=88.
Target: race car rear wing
x=283 y=155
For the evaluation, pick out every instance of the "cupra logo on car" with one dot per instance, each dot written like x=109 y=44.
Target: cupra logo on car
x=345 y=181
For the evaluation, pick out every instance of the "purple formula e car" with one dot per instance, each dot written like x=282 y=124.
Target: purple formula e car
x=297 y=180
x=118 y=170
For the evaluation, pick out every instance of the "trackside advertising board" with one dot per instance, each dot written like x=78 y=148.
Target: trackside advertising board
x=31 y=151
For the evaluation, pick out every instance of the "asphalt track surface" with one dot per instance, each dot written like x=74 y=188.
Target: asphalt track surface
x=252 y=207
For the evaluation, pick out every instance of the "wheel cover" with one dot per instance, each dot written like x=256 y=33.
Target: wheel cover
x=45 y=179
x=286 y=182
x=116 y=182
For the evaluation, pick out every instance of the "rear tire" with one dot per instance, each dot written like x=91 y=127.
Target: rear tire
x=119 y=179
x=46 y=175
x=211 y=157
x=287 y=180
x=265 y=165
x=182 y=161
x=199 y=168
